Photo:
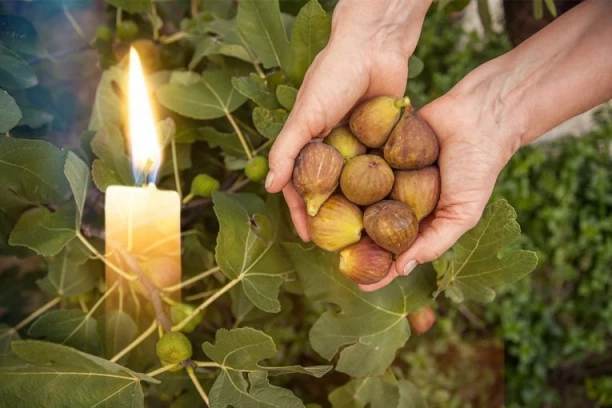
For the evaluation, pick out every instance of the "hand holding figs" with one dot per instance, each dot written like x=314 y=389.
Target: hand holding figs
x=384 y=161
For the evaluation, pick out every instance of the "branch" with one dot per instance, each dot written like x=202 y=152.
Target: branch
x=31 y=317
x=198 y=386
x=192 y=280
x=136 y=342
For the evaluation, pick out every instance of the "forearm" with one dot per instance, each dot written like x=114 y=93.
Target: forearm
x=560 y=72
x=390 y=25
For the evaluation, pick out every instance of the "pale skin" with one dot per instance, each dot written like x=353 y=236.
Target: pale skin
x=560 y=72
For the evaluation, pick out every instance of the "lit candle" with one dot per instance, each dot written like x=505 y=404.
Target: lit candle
x=142 y=224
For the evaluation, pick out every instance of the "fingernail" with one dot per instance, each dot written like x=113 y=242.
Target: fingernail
x=409 y=267
x=269 y=179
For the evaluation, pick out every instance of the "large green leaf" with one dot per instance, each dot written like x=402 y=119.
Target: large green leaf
x=73 y=328
x=132 y=6
x=10 y=114
x=120 y=331
x=207 y=46
x=241 y=350
x=77 y=174
x=255 y=88
x=475 y=265
x=248 y=246
x=113 y=166
x=33 y=169
x=15 y=73
x=107 y=105
x=286 y=95
x=309 y=36
x=375 y=392
x=20 y=36
x=70 y=378
x=269 y=122
x=261 y=26
x=228 y=142
x=43 y=231
x=370 y=327
x=71 y=272
x=213 y=97
x=11 y=207
x=7 y=335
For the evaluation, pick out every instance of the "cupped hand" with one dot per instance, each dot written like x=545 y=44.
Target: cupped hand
x=341 y=75
x=473 y=150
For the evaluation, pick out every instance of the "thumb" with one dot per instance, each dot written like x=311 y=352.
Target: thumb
x=435 y=239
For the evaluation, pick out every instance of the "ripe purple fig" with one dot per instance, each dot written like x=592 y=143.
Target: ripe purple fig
x=345 y=142
x=372 y=120
x=420 y=189
x=365 y=262
x=412 y=143
x=366 y=179
x=337 y=225
x=392 y=225
x=316 y=174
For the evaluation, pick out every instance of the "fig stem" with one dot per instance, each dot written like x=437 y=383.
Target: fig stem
x=401 y=103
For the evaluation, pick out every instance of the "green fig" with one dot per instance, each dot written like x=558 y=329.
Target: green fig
x=345 y=142
x=337 y=225
x=173 y=347
x=256 y=168
x=392 y=225
x=420 y=189
x=412 y=144
x=365 y=262
x=372 y=120
x=366 y=179
x=316 y=174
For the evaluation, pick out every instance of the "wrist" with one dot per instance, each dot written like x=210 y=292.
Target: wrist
x=492 y=97
x=379 y=25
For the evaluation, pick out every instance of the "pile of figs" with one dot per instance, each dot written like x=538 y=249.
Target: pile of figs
x=369 y=184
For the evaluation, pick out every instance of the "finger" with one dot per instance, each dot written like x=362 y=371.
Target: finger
x=381 y=284
x=326 y=95
x=435 y=239
x=297 y=208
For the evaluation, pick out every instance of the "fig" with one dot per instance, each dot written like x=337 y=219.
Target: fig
x=412 y=144
x=256 y=168
x=366 y=179
x=316 y=174
x=345 y=142
x=365 y=262
x=337 y=225
x=422 y=320
x=173 y=347
x=392 y=225
x=204 y=185
x=372 y=120
x=420 y=189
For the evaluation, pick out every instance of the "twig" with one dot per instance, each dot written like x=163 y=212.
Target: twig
x=470 y=316
x=201 y=295
x=136 y=342
x=172 y=38
x=192 y=280
x=161 y=370
x=198 y=386
x=31 y=317
x=118 y=17
x=194 y=7
x=177 y=176
x=204 y=305
x=241 y=137
x=75 y=25
x=154 y=296
x=108 y=263
x=155 y=18
x=210 y=364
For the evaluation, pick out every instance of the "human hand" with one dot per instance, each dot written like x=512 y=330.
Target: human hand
x=367 y=56
x=475 y=144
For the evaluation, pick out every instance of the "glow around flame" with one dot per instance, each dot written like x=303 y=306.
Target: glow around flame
x=144 y=141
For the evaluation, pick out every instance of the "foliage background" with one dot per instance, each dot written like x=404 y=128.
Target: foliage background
x=551 y=331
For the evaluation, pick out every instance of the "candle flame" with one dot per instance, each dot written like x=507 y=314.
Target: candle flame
x=144 y=141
